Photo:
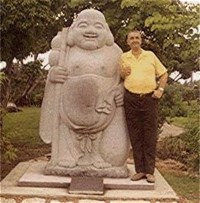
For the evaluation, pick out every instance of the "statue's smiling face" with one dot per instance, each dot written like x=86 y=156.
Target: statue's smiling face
x=90 y=31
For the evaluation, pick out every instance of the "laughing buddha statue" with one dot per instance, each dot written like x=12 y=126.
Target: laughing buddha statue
x=82 y=113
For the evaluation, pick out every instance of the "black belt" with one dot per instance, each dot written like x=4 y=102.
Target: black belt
x=140 y=94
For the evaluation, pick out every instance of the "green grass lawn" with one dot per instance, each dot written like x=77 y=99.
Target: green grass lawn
x=22 y=128
x=186 y=187
x=181 y=121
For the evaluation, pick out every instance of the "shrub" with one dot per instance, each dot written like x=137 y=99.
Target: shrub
x=8 y=151
x=191 y=140
x=183 y=148
x=24 y=84
x=173 y=148
x=171 y=104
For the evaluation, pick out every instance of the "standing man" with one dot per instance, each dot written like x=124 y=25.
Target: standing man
x=145 y=78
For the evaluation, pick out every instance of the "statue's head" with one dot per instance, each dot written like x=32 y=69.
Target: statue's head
x=90 y=31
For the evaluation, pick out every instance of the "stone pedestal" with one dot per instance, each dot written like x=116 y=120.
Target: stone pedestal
x=34 y=176
x=26 y=181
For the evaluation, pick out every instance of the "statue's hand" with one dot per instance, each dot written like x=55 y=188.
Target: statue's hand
x=119 y=99
x=58 y=74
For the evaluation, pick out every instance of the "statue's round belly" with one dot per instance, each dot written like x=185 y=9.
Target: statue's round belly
x=79 y=99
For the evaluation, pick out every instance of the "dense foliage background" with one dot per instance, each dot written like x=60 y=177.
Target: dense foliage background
x=169 y=27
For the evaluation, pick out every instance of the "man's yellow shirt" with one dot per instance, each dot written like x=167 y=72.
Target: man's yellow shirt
x=144 y=71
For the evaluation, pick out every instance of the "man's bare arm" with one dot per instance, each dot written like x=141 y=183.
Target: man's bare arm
x=162 y=83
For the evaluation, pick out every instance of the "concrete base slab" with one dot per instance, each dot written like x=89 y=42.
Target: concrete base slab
x=34 y=176
x=9 y=188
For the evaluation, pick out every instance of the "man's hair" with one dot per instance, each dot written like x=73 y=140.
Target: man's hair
x=134 y=30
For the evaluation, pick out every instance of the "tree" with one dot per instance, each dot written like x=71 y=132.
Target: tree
x=170 y=28
x=27 y=27
x=25 y=84
x=171 y=104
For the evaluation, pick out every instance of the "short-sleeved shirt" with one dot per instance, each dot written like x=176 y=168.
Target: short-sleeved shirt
x=144 y=71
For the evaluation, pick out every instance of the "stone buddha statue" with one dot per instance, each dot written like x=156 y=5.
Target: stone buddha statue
x=82 y=113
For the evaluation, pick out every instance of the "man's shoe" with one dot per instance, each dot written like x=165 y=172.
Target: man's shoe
x=150 y=178
x=137 y=176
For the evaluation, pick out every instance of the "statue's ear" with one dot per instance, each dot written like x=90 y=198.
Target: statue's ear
x=70 y=37
x=110 y=38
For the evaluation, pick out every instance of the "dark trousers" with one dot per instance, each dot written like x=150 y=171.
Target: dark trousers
x=142 y=120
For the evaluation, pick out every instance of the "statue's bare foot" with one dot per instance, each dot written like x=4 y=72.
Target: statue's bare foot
x=51 y=165
x=101 y=164
x=67 y=163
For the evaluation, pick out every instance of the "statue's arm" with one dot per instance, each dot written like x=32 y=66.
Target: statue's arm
x=50 y=103
x=119 y=92
x=56 y=73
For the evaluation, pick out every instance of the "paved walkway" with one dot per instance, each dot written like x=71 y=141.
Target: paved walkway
x=41 y=200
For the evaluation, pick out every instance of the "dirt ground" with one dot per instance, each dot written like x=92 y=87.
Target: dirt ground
x=24 y=153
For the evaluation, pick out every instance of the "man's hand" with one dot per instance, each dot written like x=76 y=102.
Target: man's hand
x=126 y=71
x=157 y=94
x=58 y=74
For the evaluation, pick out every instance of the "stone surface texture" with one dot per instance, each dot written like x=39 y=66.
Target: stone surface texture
x=130 y=201
x=3 y=200
x=90 y=201
x=56 y=201
x=82 y=112
x=34 y=200
x=7 y=200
